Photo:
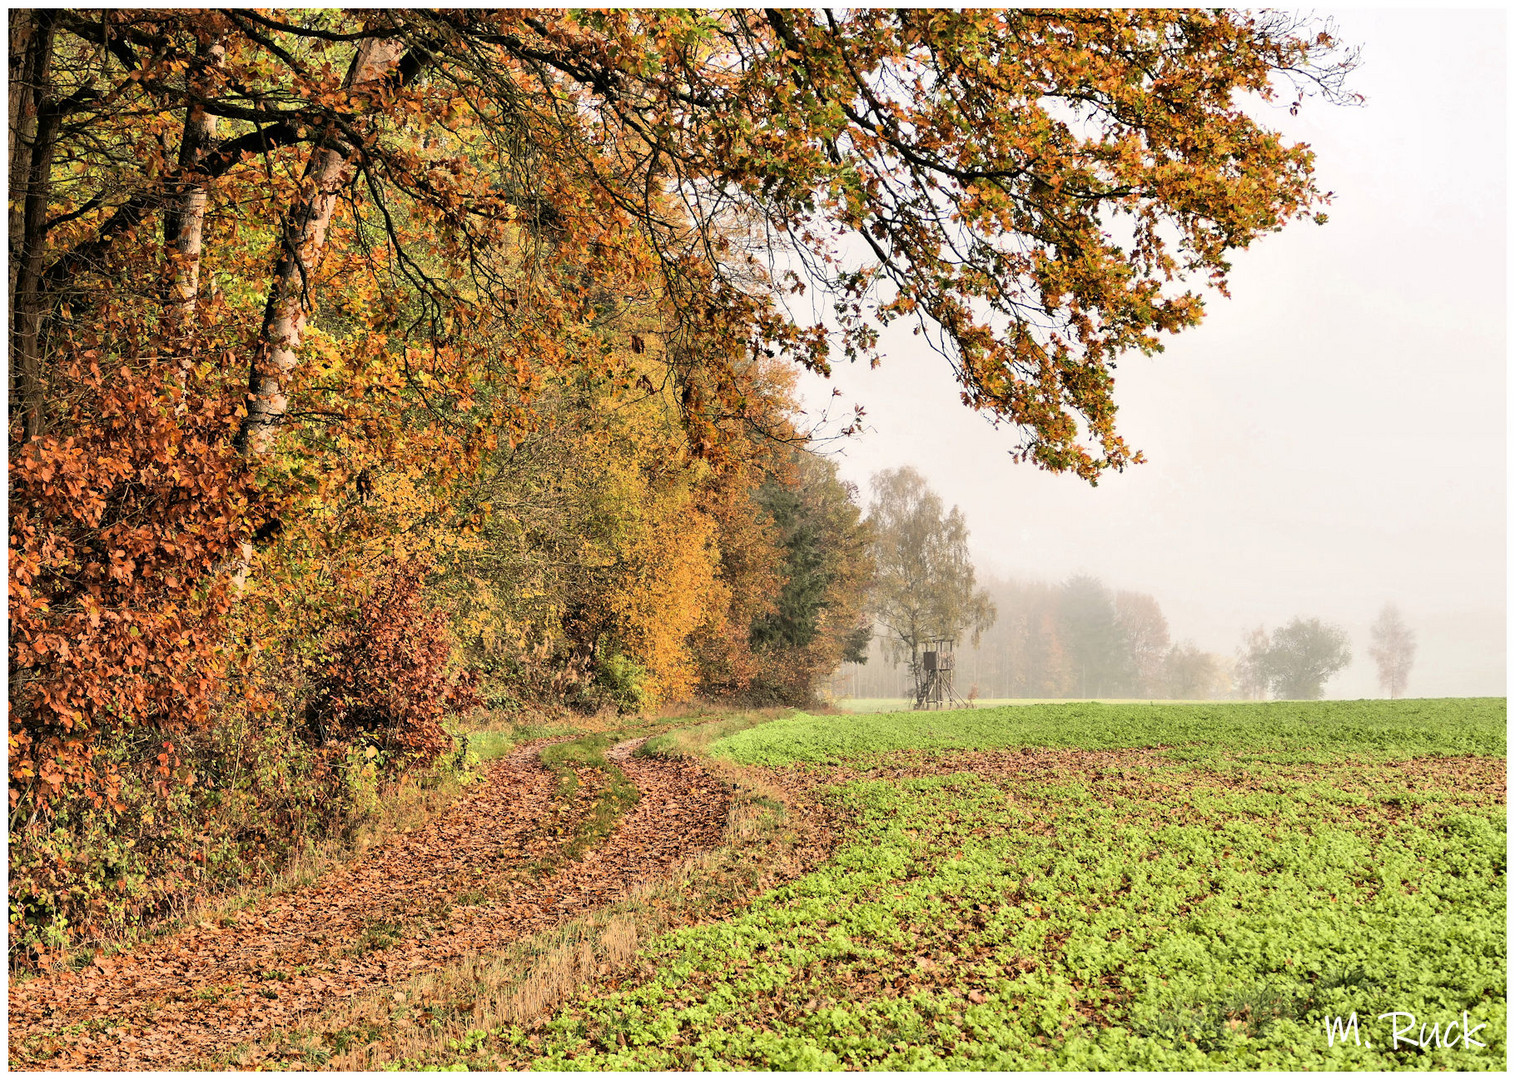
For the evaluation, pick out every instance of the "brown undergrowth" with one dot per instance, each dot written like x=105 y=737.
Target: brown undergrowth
x=394 y=807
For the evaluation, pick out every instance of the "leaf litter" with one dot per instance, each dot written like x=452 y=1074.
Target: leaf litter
x=472 y=880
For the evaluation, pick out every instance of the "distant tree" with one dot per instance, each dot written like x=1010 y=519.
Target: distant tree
x=1393 y=650
x=1013 y=653
x=1092 y=637
x=1252 y=665
x=924 y=586
x=1190 y=674
x=1051 y=672
x=1144 y=641
x=1302 y=656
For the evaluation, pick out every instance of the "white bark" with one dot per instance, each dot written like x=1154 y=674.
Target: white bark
x=305 y=227
x=184 y=224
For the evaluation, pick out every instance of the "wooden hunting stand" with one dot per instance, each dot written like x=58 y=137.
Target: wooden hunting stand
x=933 y=684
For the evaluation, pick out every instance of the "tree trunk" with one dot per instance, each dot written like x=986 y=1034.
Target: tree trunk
x=23 y=124
x=304 y=235
x=184 y=218
x=34 y=123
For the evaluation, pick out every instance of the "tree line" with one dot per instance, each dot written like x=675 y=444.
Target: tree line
x=1080 y=639
x=1077 y=639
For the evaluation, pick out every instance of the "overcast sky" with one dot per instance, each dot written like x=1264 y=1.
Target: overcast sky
x=1330 y=438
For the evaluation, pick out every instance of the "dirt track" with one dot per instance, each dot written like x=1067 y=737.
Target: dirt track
x=463 y=883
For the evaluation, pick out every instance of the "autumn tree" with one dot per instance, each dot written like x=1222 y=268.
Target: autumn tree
x=1392 y=649
x=1051 y=668
x=1144 y=637
x=976 y=154
x=1191 y=674
x=980 y=158
x=597 y=555
x=287 y=287
x=924 y=579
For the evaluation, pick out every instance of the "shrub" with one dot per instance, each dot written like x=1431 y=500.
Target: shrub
x=122 y=517
x=623 y=681
x=193 y=815
x=387 y=674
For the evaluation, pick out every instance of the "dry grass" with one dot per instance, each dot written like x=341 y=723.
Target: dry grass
x=447 y=1014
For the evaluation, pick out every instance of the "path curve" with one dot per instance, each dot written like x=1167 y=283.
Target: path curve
x=462 y=883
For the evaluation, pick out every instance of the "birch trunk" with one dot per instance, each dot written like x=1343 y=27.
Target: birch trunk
x=304 y=231
x=184 y=221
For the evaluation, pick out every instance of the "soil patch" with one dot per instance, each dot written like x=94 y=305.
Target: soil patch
x=1468 y=775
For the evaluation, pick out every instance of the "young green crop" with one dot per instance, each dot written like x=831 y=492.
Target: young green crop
x=1279 y=730
x=1210 y=906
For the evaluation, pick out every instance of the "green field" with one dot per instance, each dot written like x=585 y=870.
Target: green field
x=1095 y=887
x=1282 y=730
x=899 y=704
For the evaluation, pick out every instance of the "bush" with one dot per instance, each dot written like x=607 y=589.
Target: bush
x=623 y=681
x=203 y=809
x=387 y=674
x=122 y=518
x=196 y=814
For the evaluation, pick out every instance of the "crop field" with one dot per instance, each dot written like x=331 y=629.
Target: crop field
x=900 y=704
x=1295 y=731
x=1095 y=887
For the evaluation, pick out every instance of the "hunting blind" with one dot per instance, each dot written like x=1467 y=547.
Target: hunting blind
x=933 y=684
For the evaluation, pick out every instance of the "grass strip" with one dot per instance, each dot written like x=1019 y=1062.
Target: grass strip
x=695 y=741
x=617 y=795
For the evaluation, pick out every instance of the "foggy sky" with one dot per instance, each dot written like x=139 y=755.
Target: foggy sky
x=1330 y=438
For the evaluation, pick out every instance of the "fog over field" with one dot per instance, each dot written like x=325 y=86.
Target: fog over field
x=1332 y=437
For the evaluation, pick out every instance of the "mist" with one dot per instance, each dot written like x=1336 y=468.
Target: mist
x=1331 y=438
